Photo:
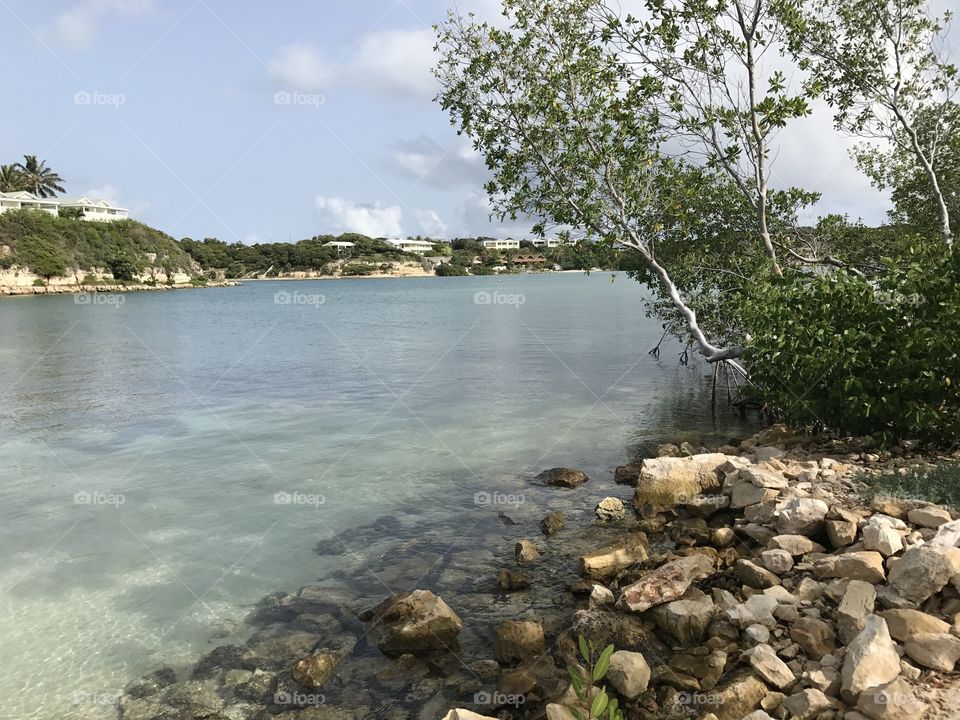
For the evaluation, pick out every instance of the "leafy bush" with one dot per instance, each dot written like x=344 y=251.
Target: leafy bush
x=124 y=267
x=940 y=484
x=450 y=270
x=875 y=357
x=356 y=268
x=593 y=706
x=41 y=255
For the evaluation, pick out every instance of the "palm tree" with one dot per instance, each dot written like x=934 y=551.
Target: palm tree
x=11 y=179
x=38 y=178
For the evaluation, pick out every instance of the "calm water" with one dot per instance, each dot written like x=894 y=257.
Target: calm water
x=168 y=460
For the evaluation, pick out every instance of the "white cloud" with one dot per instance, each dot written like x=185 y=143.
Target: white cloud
x=475 y=219
x=300 y=67
x=427 y=161
x=431 y=224
x=372 y=220
x=77 y=26
x=394 y=63
x=107 y=192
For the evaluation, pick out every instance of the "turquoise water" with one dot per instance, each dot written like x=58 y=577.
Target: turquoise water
x=168 y=458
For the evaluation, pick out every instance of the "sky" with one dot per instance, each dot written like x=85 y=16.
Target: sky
x=255 y=122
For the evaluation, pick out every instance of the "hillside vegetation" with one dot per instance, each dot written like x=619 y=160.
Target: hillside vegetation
x=51 y=246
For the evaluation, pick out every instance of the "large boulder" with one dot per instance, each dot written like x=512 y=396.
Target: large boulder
x=930 y=516
x=607 y=561
x=938 y=651
x=894 y=700
x=871 y=659
x=923 y=570
x=685 y=621
x=801 y=516
x=414 y=622
x=904 y=623
x=667 y=583
x=669 y=481
x=563 y=477
x=866 y=565
x=518 y=640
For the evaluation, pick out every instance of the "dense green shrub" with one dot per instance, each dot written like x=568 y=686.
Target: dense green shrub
x=450 y=270
x=41 y=255
x=940 y=484
x=357 y=268
x=124 y=267
x=864 y=356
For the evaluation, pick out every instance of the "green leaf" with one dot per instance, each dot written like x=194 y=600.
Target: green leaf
x=600 y=669
x=584 y=649
x=599 y=704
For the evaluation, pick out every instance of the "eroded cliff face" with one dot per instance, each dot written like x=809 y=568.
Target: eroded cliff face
x=20 y=277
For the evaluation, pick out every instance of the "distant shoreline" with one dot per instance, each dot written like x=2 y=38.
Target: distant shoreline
x=31 y=290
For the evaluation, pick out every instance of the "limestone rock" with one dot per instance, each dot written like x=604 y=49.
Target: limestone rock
x=904 y=623
x=796 y=545
x=668 y=582
x=939 y=651
x=763 y=478
x=686 y=621
x=563 y=477
x=749 y=573
x=745 y=494
x=866 y=565
x=610 y=509
x=929 y=516
x=756 y=610
x=816 y=637
x=609 y=560
x=871 y=659
x=882 y=538
x=770 y=668
x=414 y=622
x=628 y=673
x=518 y=640
x=894 y=700
x=777 y=561
x=841 y=532
x=923 y=570
x=948 y=535
x=857 y=604
x=806 y=704
x=667 y=481
x=526 y=552
x=801 y=516
x=741 y=695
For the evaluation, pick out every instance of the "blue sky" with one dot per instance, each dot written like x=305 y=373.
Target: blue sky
x=171 y=108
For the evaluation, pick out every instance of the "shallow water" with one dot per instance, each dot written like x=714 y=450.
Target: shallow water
x=169 y=458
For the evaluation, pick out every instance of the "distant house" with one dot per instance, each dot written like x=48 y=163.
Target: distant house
x=339 y=245
x=419 y=247
x=551 y=242
x=89 y=209
x=529 y=259
x=507 y=244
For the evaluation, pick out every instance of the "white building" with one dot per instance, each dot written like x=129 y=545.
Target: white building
x=23 y=200
x=551 y=242
x=339 y=245
x=412 y=246
x=90 y=209
x=507 y=244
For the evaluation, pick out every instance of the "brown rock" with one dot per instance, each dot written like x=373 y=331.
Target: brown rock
x=668 y=481
x=552 y=523
x=855 y=607
x=518 y=640
x=939 y=651
x=315 y=671
x=526 y=552
x=814 y=636
x=841 y=533
x=563 y=477
x=738 y=697
x=511 y=580
x=414 y=622
x=894 y=700
x=904 y=623
x=749 y=573
x=666 y=583
x=609 y=560
x=923 y=570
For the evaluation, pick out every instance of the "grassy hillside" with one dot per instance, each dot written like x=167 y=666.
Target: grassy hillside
x=50 y=245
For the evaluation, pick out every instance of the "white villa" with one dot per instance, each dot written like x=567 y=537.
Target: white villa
x=412 y=246
x=339 y=245
x=551 y=242
x=501 y=244
x=91 y=209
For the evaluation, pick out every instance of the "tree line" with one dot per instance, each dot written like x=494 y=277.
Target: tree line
x=659 y=132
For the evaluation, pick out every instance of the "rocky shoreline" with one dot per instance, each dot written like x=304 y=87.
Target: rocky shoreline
x=751 y=581
x=103 y=289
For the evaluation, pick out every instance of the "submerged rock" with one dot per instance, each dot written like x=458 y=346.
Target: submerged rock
x=607 y=561
x=415 y=622
x=315 y=671
x=518 y=640
x=563 y=477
